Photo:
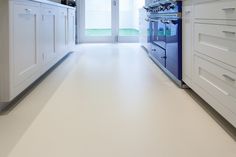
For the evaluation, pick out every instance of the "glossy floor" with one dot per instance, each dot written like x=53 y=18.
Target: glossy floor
x=110 y=101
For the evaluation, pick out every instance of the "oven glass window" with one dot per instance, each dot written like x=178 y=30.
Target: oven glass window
x=172 y=31
x=159 y=33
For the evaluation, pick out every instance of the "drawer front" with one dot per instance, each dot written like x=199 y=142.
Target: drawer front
x=220 y=10
x=159 y=55
x=216 y=41
x=217 y=81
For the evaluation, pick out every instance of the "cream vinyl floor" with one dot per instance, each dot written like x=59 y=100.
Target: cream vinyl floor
x=111 y=100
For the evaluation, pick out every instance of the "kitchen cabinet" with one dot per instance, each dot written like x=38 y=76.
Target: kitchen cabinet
x=209 y=53
x=34 y=36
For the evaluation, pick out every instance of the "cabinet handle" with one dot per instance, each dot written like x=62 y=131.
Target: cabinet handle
x=187 y=12
x=229 y=78
x=228 y=9
x=229 y=32
x=28 y=10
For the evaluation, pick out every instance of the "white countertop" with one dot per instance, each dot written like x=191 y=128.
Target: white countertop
x=51 y=3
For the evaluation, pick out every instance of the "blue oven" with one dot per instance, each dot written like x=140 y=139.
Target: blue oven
x=166 y=37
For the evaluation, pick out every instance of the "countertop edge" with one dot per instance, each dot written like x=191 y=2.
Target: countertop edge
x=47 y=2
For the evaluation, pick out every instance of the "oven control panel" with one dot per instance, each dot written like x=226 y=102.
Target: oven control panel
x=165 y=7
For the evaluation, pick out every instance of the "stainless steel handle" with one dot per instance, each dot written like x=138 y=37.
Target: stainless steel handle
x=187 y=12
x=229 y=78
x=153 y=20
x=167 y=21
x=229 y=32
x=228 y=9
x=28 y=10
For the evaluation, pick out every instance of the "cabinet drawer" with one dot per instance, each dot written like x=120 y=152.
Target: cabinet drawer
x=216 y=41
x=217 y=81
x=220 y=10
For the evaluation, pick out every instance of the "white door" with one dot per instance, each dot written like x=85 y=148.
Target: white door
x=61 y=31
x=71 y=28
x=128 y=20
x=25 y=39
x=109 y=20
x=98 y=20
x=48 y=29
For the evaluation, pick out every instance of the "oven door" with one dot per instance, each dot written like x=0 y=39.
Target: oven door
x=158 y=40
x=174 y=47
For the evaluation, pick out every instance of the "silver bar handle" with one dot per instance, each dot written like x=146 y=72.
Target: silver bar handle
x=187 y=12
x=229 y=78
x=228 y=9
x=28 y=10
x=229 y=32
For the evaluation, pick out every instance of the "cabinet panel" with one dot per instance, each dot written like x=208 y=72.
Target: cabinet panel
x=217 y=81
x=71 y=27
x=187 y=43
x=48 y=46
x=25 y=38
x=61 y=30
x=220 y=10
x=216 y=41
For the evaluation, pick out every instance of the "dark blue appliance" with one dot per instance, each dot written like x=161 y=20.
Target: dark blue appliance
x=166 y=37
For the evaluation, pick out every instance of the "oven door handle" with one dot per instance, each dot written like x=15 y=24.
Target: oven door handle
x=168 y=21
x=151 y=20
x=154 y=20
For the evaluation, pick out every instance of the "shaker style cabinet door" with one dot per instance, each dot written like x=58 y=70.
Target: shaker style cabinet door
x=61 y=30
x=71 y=28
x=48 y=47
x=25 y=57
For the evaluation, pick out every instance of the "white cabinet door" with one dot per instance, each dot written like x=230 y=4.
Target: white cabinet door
x=216 y=41
x=71 y=28
x=219 y=83
x=25 y=57
x=187 y=44
x=61 y=30
x=48 y=47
